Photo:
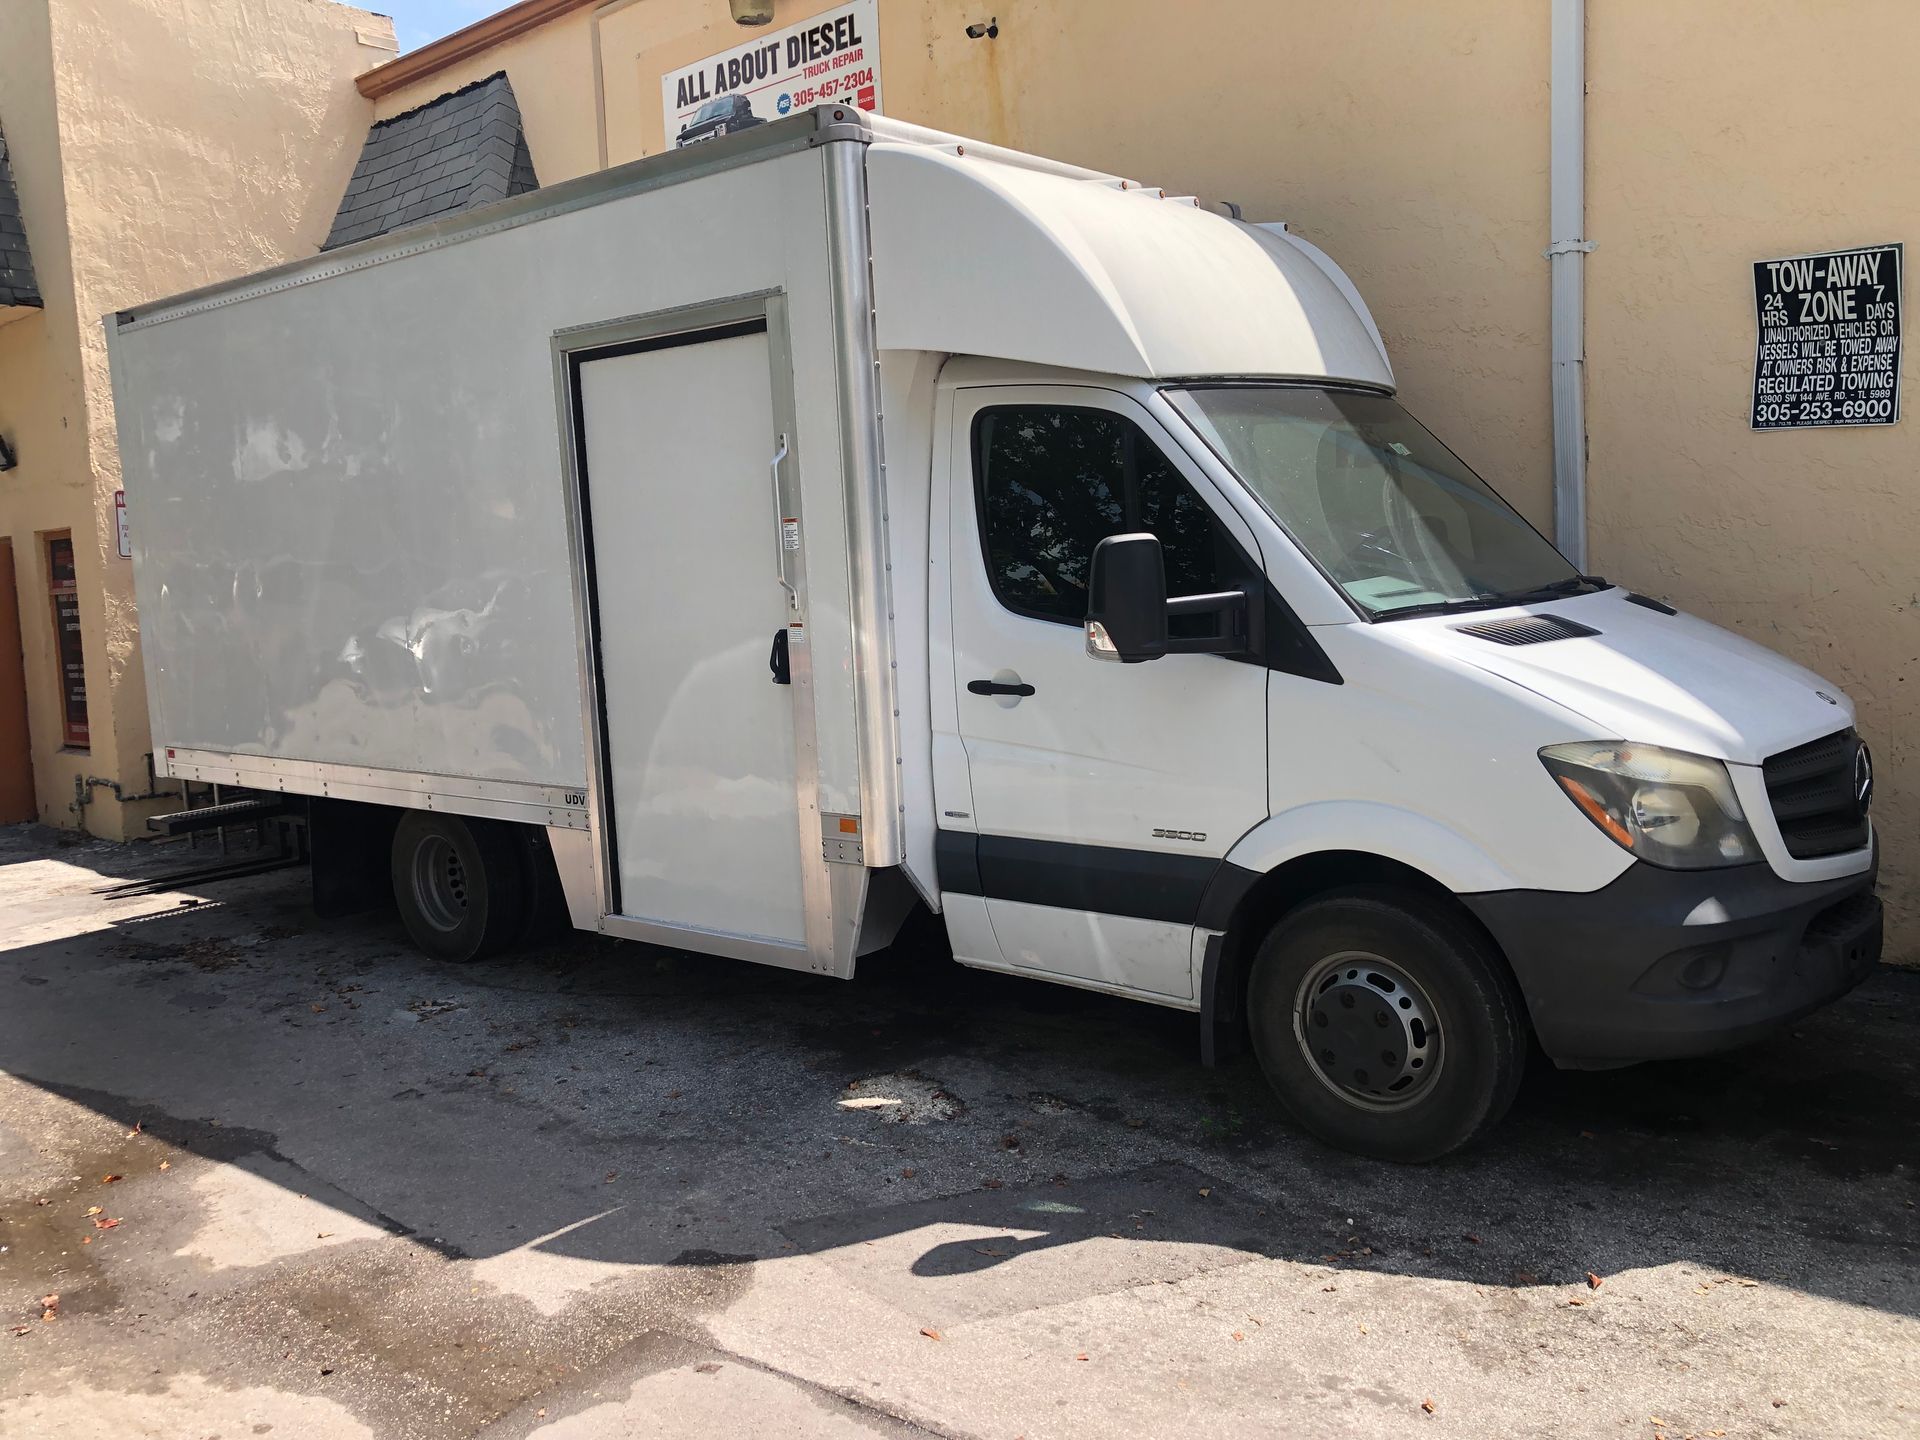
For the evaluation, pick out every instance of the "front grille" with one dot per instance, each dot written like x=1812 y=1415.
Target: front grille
x=1527 y=630
x=1814 y=799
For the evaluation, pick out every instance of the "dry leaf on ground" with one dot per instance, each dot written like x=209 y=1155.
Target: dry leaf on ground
x=1594 y=1282
x=931 y=1333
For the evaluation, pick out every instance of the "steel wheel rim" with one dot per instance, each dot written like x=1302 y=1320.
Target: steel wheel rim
x=1368 y=1030
x=439 y=883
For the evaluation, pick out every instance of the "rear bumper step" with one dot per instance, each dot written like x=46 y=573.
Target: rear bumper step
x=214 y=817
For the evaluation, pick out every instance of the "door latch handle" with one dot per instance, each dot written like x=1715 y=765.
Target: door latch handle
x=778 y=661
x=997 y=687
x=780 y=525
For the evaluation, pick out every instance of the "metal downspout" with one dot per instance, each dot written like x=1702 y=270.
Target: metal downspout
x=1567 y=220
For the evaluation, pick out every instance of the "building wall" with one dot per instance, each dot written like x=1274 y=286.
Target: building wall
x=170 y=144
x=42 y=402
x=1711 y=145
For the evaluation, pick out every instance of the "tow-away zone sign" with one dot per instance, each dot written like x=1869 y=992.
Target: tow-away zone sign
x=1829 y=347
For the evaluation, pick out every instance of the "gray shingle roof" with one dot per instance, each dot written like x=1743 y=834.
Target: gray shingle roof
x=461 y=150
x=17 y=285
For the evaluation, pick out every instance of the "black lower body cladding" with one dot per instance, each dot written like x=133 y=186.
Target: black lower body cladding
x=1667 y=963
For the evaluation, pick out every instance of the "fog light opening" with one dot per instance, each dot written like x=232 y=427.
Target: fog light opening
x=1705 y=970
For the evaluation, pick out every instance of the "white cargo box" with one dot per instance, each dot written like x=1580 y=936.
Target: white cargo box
x=515 y=514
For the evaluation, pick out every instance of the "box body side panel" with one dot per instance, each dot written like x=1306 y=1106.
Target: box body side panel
x=350 y=528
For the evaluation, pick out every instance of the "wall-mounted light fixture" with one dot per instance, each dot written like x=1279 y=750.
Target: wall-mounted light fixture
x=752 y=12
x=985 y=30
x=7 y=458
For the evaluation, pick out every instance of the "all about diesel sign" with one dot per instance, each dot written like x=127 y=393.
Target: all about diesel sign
x=832 y=59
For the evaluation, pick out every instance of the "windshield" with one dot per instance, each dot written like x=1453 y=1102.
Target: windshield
x=1388 y=512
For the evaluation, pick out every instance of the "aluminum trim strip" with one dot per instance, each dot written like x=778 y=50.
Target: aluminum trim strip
x=857 y=358
x=757 y=948
x=816 y=127
x=529 y=802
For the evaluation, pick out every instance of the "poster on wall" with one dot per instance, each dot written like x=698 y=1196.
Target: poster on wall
x=831 y=59
x=1829 y=347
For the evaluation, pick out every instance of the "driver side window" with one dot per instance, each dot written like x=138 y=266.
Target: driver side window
x=1052 y=481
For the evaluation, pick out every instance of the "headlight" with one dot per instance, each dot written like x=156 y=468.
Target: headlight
x=1664 y=806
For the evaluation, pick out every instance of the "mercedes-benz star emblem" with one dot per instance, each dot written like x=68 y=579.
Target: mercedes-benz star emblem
x=1863 y=777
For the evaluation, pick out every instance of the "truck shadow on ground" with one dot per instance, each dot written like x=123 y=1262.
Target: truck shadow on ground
x=955 y=1140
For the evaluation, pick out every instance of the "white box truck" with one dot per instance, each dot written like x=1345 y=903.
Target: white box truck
x=772 y=537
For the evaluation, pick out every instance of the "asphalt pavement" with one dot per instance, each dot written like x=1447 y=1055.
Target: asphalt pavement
x=287 y=1176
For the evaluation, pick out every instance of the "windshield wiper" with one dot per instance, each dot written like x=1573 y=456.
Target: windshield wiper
x=1557 y=590
x=1442 y=607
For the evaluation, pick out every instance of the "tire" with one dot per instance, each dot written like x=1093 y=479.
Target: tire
x=1386 y=1024
x=461 y=885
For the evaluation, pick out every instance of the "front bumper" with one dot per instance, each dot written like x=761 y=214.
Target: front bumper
x=1666 y=963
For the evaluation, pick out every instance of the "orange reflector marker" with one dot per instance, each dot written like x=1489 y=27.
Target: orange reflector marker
x=1596 y=812
x=849 y=824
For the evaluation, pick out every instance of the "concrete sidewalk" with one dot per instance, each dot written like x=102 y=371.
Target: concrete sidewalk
x=603 y=1190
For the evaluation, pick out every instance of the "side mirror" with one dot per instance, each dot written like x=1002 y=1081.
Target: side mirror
x=1127 y=600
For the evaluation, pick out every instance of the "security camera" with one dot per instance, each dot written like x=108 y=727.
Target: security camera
x=988 y=31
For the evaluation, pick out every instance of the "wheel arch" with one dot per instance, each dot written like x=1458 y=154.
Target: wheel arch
x=1242 y=906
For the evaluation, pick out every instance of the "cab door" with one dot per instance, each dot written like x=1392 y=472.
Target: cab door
x=1099 y=798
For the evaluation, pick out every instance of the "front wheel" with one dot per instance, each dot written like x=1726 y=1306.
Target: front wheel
x=1386 y=1024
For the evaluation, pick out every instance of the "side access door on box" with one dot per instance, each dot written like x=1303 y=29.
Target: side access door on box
x=1085 y=805
x=707 y=805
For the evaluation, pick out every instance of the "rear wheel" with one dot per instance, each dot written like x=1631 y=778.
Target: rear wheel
x=461 y=884
x=1386 y=1024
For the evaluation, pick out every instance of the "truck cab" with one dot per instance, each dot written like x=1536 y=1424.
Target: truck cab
x=1339 y=749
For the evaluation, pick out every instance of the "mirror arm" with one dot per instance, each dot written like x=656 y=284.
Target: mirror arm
x=1243 y=616
x=1217 y=603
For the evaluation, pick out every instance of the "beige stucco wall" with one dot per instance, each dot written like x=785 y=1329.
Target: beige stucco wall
x=1712 y=146
x=42 y=402
x=161 y=145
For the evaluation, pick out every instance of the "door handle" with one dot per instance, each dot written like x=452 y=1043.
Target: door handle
x=998 y=687
x=778 y=661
